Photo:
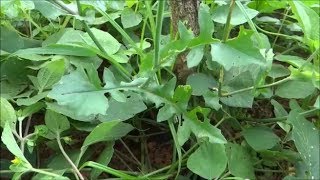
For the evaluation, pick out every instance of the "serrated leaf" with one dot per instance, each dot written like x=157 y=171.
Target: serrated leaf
x=107 y=131
x=208 y=161
x=7 y=113
x=239 y=161
x=306 y=138
x=260 y=137
x=56 y=122
x=80 y=96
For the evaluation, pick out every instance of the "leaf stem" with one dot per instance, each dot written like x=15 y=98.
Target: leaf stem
x=158 y=34
x=259 y=87
x=74 y=167
x=46 y=172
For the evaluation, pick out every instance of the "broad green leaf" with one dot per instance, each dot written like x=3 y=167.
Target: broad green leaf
x=15 y=71
x=56 y=122
x=61 y=49
x=130 y=3
x=31 y=100
x=295 y=61
x=110 y=83
x=165 y=113
x=212 y=100
x=205 y=23
x=124 y=110
x=7 y=113
x=50 y=74
x=10 y=40
x=279 y=111
x=239 y=161
x=11 y=144
x=203 y=130
x=129 y=18
x=29 y=110
x=10 y=90
x=306 y=138
x=240 y=51
x=194 y=57
x=104 y=158
x=208 y=161
x=260 y=137
x=237 y=82
x=75 y=92
x=48 y=9
x=317 y=103
x=107 y=131
x=278 y=70
x=108 y=42
x=295 y=89
x=267 y=6
x=309 y=20
x=221 y=13
x=200 y=83
x=66 y=36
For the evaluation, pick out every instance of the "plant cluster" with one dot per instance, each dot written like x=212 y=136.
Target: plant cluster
x=79 y=77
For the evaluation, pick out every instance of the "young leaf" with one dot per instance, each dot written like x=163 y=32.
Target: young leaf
x=7 y=113
x=239 y=161
x=306 y=138
x=260 y=137
x=129 y=18
x=56 y=122
x=208 y=161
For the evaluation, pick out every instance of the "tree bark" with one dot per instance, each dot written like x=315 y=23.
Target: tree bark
x=185 y=11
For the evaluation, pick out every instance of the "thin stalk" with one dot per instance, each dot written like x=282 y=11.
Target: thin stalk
x=158 y=33
x=121 y=31
x=259 y=87
x=40 y=171
x=283 y=118
x=277 y=34
x=178 y=148
x=280 y=28
x=150 y=16
x=130 y=152
x=26 y=130
x=74 y=167
x=225 y=37
x=314 y=54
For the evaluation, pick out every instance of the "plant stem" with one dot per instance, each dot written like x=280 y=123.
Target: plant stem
x=259 y=87
x=74 y=167
x=150 y=16
x=46 y=173
x=158 y=32
x=130 y=152
x=282 y=22
x=225 y=37
x=283 y=118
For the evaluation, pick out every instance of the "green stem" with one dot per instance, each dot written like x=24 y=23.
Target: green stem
x=225 y=37
x=259 y=87
x=150 y=16
x=74 y=167
x=121 y=31
x=178 y=147
x=277 y=34
x=280 y=28
x=283 y=118
x=46 y=173
x=158 y=34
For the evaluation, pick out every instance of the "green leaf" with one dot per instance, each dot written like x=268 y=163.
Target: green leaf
x=75 y=92
x=104 y=158
x=260 y=137
x=32 y=100
x=205 y=23
x=124 y=110
x=309 y=20
x=295 y=89
x=15 y=71
x=212 y=100
x=239 y=52
x=48 y=9
x=317 y=103
x=11 y=144
x=61 y=49
x=10 y=40
x=129 y=18
x=237 y=82
x=237 y=17
x=279 y=111
x=50 y=74
x=29 y=110
x=194 y=57
x=202 y=130
x=107 y=131
x=56 y=122
x=208 y=161
x=278 y=70
x=306 y=138
x=7 y=113
x=108 y=42
x=200 y=83
x=239 y=161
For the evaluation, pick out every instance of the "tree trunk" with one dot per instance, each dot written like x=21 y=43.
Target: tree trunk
x=184 y=11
